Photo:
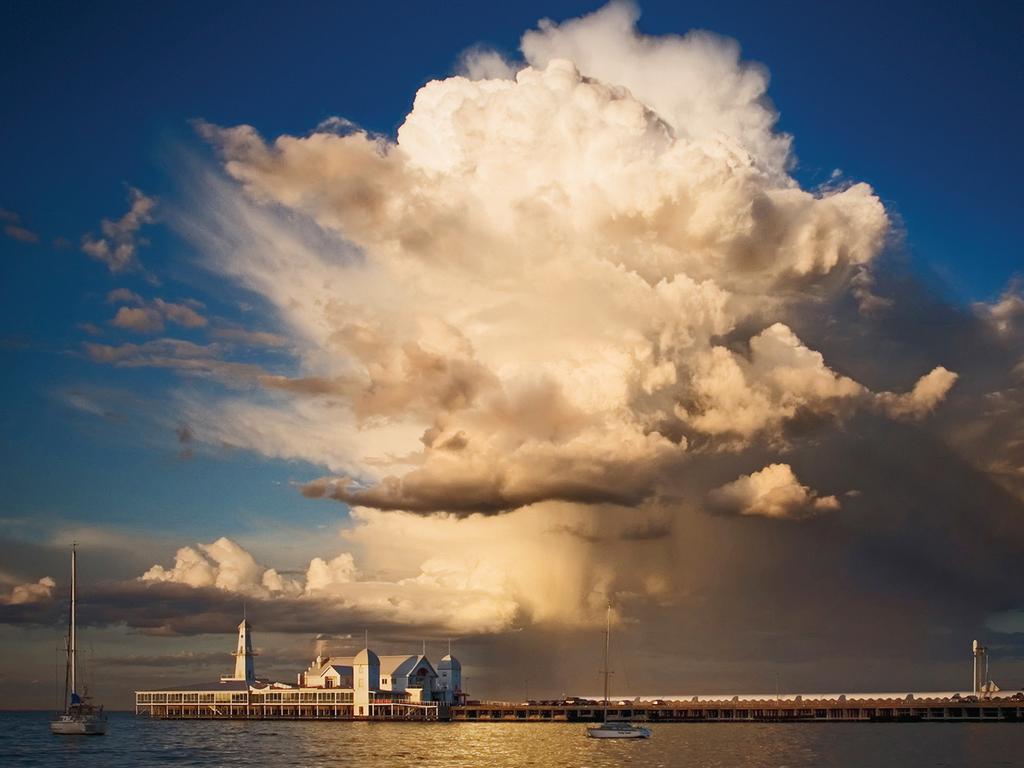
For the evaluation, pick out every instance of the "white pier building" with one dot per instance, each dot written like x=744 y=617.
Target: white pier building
x=365 y=686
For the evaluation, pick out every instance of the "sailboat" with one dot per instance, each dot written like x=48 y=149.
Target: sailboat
x=614 y=729
x=79 y=718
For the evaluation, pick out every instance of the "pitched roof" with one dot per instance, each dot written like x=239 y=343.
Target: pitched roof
x=402 y=666
x=333 y=661
x=366 y=656
x=450 y=662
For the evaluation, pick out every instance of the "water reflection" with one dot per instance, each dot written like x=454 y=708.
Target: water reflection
x=25 y=741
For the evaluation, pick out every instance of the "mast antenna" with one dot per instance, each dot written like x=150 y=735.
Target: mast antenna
x=74 y=635
x=607 y=645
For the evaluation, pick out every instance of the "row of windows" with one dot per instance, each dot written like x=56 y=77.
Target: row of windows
x=190 y=698
x=306 y=697
x=290 y=697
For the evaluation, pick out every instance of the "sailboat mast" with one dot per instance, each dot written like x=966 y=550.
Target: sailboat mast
x=73 y=645
x=67 y=663
x=607 y=644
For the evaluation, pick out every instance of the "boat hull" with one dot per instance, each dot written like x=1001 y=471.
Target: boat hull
x=79 y=727
x=632 y=733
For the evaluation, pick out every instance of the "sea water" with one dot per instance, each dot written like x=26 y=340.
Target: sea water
x=25 y=740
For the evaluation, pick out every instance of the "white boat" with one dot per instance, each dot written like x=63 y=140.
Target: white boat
x=618 y=730
x=80 y=717
x=79 y=723
x=614 y=729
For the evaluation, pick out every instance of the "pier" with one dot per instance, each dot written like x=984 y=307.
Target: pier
x=409 y=687
x=865 y=708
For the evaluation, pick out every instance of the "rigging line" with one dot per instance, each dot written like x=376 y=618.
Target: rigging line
x=90 y=668
x=56 y=677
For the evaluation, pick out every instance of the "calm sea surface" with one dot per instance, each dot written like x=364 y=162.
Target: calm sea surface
x=25 y=740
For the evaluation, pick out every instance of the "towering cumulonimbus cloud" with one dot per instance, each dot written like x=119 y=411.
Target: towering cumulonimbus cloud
x=550 y=287
x=573 y=334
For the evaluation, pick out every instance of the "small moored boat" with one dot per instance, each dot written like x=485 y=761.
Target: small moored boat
x=618 y=730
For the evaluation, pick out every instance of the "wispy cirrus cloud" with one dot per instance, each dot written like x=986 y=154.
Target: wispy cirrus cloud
x=244 y=336
x=179 y=355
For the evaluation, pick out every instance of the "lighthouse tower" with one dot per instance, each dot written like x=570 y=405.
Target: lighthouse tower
x=366 y=679
x=449 y=673
x=245 y=668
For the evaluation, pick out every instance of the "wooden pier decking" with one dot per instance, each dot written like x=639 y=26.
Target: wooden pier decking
x=791 y=710
x=331 y=705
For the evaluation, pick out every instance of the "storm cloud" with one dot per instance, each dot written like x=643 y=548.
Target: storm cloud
x=576 y=333
x=493 y=314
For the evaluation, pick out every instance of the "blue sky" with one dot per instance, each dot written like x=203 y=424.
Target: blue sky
x=921 y=100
